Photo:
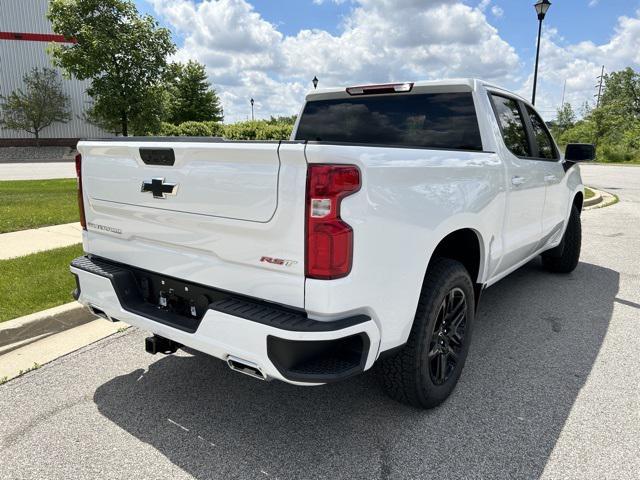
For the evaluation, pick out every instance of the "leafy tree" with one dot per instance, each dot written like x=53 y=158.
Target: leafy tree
x=565 y=119
x=614 y=126
x=289 y=120
x=41 y=104
x=585 y=109
x=124 y=55
x=631 y=137
x=193 y=99
x=622 y=90
x=582 y=132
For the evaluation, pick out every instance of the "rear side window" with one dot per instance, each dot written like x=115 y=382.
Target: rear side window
x=512 y=125
x=542 y=137
x=433 y=120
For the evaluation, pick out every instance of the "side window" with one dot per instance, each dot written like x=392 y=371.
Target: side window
x=513 y=129
x=542 y=136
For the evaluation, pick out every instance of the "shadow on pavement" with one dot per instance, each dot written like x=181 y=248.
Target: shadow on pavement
x=536 y=339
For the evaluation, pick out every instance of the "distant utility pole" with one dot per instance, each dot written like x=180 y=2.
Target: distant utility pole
x=564 y=90
x=600 y=84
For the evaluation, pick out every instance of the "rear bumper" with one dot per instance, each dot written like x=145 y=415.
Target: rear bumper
x=284 y=343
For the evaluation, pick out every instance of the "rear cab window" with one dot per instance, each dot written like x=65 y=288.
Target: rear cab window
x=541 y=137
x=512 y=125
x=524 y=132
x=420 y=120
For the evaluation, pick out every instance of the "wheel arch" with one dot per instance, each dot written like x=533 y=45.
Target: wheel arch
x=460 y=243
x=464 y=245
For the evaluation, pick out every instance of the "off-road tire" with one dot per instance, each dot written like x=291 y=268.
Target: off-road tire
x=564 y=258
x=406 y=374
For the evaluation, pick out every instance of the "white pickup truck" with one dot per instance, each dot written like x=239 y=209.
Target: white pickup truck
x=367 y=237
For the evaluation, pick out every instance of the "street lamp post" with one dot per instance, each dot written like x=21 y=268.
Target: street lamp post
x=252 y=110
x=315 y=82
x=542 y=6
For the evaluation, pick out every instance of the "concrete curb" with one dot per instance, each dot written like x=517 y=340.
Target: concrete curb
x=32 y=356
x=22 y=331
x=600 y=200
x=29 y=342
x=593 y=200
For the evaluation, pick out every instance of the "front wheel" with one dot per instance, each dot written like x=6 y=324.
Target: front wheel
x=564 y=258
x=426 y=370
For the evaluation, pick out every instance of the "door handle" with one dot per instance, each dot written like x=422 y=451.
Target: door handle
x=550 y=178
x=517 y=180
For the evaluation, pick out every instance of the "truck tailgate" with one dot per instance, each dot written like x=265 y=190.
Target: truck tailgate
x=222 y=215
x=231 y=180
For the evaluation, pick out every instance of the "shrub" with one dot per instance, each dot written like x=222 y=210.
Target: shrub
x=251 y=130
x=194 y=129
x=258 y=130
x=611 y=153
x=169 y=130
x=216 y=128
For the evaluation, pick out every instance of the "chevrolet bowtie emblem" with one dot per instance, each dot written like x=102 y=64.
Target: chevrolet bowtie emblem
x=159 y=188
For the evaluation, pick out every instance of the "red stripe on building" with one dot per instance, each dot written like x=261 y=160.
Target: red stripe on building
x=36 y=37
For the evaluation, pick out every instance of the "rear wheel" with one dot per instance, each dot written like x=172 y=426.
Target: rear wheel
x=426 y=370
x=564 y=258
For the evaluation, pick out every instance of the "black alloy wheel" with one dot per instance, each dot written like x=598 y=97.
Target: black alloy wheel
x=447 y=339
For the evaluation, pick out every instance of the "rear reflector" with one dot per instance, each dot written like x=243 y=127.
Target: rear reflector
x=329 y=242
x=83 y=221
x=380 y=89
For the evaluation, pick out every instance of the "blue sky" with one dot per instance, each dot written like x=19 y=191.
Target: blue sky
x=574 y=18
x=280 y=43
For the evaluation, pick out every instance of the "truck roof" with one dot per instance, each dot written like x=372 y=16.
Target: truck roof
x=469 y=84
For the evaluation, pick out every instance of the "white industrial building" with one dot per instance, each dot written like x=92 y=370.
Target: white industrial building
x=25 y=33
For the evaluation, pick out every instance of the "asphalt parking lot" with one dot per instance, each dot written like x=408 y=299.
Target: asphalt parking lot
x=551 y=390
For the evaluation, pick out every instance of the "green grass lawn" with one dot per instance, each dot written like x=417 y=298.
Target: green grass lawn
x=36 y=282
x=37 y=203
x=588 y=193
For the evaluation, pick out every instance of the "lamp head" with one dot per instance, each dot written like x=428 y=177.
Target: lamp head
x=542 y=7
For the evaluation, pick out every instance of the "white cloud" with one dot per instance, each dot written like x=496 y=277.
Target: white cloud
x=496 y=10
x=380 y=41
x=579 y=64
x=482 y=6
x=337 y=2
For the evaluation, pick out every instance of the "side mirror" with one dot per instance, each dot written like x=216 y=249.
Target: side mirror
x=580 y=152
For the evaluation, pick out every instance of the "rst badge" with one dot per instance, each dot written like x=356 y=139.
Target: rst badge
x=278 y=261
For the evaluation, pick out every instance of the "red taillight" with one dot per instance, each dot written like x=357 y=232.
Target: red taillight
x=329 y=249
x=83 y=220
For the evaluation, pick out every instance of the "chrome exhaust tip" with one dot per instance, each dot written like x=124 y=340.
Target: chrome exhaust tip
x=246 y=367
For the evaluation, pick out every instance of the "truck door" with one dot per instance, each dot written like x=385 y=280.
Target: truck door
x=525 y=184
x=546 y=153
